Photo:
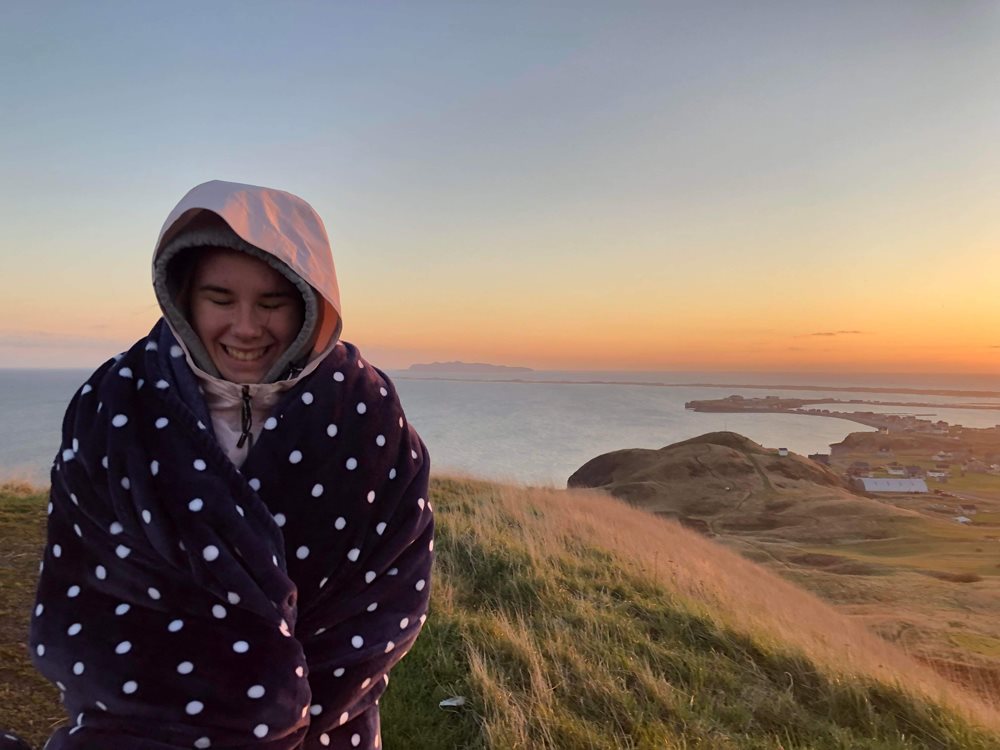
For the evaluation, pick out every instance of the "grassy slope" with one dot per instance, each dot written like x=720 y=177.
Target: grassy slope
x=568 y=620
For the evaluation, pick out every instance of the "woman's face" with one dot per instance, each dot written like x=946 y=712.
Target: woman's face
x=245 y=313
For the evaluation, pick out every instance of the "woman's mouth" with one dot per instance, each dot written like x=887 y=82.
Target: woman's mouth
x=245 y=355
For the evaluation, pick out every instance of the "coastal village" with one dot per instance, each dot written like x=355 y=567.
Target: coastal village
x=925 y=464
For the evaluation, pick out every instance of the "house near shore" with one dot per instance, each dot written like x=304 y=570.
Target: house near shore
x=880 y=485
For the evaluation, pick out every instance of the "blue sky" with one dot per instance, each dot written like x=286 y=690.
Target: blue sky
x=593 y=185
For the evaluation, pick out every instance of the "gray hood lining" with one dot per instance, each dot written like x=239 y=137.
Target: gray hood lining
x=169 y=279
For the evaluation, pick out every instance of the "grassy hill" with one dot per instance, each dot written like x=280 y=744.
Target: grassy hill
x=915 y=577
x=569 y=620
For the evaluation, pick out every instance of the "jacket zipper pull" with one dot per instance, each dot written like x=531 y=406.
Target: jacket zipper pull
x=246 y=417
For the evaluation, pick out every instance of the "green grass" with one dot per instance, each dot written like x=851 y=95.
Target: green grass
x=557 y=639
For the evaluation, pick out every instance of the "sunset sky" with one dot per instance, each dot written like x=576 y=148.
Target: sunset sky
x=757 y=186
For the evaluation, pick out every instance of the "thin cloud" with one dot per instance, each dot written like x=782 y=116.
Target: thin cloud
x=834 y=333
x=46 y=340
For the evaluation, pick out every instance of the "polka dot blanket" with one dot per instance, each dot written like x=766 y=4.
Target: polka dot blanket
x=186 y=604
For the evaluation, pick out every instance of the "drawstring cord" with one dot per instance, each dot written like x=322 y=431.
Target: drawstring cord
x=246 y=419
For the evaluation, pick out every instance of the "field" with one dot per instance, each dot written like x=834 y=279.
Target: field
x=566 y=619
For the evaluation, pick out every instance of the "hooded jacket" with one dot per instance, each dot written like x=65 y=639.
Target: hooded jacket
x=285 y=232
x=187 y=602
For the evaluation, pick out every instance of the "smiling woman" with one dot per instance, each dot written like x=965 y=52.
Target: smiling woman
x=239 y=537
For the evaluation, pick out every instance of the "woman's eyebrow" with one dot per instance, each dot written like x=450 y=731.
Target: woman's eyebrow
x=278 y=294
x=214 y=288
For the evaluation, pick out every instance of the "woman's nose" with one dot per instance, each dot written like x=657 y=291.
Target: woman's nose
x=247 y=323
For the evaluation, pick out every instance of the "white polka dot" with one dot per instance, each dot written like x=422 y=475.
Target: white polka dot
x=344 y=717
x=400 y=421
x=317 y=490
x=68 y=455
x=40 y=649
x=270 y=423
x=369 y=576
x=353 y=554
x=361 y=365
x=352 y=464
x=279 y=518
x=162 y=384
x=380 y=528
x=403 y=623
x=413 y=455
x=331 y=430
x=423 y=619
x=195 y=505
x=77 y=530
x=126 y=483
x=340 y=523
x=307 y=398
x=147 y=517
x=119 y=420
x=154 y=468
x=255 y=691
x=194 y=708
x=294 y=457
x=362 y=408
x=420 y=585
x=380 y=440
x=302 y=552
x=125 y=372
x=130 y=687
x=355 y=739
x=371 y=496
x=200 y=425
x=210 y=553
x=389 y=647
x=86 y=389
x=74 y=629
x=153 y=592
x=176 y=351
x=122 y=609
x=315 y=709
x=392 y=571
x=274 y=559
x=78 y=668
x=61 y=687
x=324 y=739
x=338 y=376
x=115 y=528
x=185 y=667
x=383 y=391
x=57 y=550
x=161 y=423
x=430 y=546
x=39 y=608
x=366 y=683
x=338 y=672
x=420 y=503
x=299 y=671
x=175 y=625
x=357 y=641
x=392 y=473
x=239 y=509
x=100 y=705
x=233 y=598
x=73 y=591
x=260 y=731
x=122 y=551
x=199 y=465
x=322 y=583
x=372 y=607
x=202 y=743
x=241 y=647
x=218 y=611
x=123 y=648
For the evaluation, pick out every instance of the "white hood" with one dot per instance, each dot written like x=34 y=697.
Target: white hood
x=280 y=224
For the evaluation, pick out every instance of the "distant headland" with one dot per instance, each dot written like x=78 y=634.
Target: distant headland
x=466 y=368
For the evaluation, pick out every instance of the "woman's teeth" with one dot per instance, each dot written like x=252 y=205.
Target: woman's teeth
x=244 y=355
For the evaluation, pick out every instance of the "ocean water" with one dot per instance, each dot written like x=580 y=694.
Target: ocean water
x=537 y=432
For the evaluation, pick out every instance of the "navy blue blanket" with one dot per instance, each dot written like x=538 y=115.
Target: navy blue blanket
x=186 y=604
